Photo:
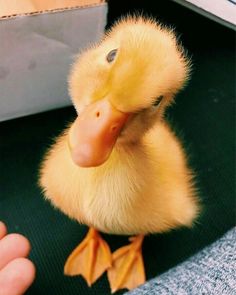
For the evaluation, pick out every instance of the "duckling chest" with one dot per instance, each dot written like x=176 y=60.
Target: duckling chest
x=111 y=197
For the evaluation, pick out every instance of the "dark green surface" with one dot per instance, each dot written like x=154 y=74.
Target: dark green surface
x=204 y=113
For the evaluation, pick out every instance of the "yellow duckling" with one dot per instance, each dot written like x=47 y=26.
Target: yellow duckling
x=119 y=168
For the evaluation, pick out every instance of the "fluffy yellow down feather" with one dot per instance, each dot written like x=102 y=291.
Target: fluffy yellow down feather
x=145 y=186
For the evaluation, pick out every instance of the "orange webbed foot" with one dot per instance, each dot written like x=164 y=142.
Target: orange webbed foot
x=127 y=269
x=91 y=258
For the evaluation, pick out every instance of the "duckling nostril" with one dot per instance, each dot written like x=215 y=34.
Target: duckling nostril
x=97 y=114
x=113 y=128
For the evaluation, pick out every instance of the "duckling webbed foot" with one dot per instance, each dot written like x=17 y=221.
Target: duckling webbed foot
x=90 y=258
x=127 y=269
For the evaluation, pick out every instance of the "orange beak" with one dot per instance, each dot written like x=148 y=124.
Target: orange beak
x=94 y=133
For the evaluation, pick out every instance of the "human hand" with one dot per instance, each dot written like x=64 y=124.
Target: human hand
x=16 y=271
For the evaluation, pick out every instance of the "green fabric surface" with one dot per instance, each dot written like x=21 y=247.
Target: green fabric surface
x=204 y=115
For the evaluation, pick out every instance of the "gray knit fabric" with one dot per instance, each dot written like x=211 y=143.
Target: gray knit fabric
x=210 y=272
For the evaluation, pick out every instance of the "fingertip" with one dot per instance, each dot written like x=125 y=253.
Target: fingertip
x=26 y=267
x=3 y=229
x=17 y=276
x=13 y=246
x=25 y=272
x=22 y=243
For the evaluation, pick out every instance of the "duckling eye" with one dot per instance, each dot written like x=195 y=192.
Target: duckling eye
x=111 y=55
x=158 y=100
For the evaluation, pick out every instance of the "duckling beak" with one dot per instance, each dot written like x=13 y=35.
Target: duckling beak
x=94 y=133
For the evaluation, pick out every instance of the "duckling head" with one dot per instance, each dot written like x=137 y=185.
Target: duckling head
x=121 y=86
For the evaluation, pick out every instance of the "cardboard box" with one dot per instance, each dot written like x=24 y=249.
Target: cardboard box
x=37 y=49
